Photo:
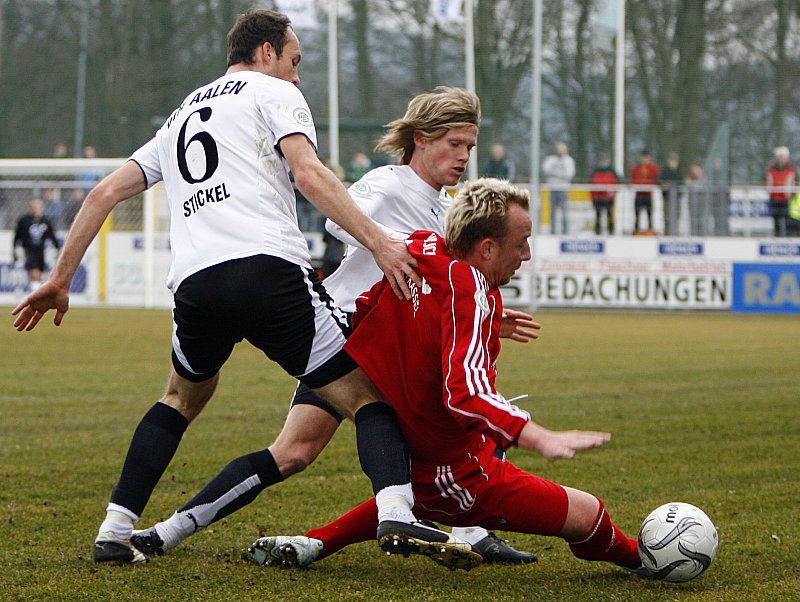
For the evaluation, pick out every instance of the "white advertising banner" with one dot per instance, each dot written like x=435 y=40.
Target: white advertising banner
x=633 y=283
x=629 y=272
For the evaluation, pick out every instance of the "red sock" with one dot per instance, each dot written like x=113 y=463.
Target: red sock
x=360 y=524
x=607 y=542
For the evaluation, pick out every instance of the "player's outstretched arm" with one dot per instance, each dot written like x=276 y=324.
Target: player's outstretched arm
x=122 y=184
x=518 y=326
x=320 y=186
x=559 y=444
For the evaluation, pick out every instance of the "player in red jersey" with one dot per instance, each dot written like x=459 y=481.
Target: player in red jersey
x=436 y=366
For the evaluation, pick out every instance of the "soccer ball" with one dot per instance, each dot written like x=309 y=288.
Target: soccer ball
x=678 y=542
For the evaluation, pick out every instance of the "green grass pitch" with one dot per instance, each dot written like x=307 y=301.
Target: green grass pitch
x=704 y=408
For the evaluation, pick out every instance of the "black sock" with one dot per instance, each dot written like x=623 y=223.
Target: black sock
x=152 y=447
x=382 y=449
x=234 y=487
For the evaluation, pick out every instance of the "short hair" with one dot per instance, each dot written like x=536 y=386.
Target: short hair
x=479 y=211
x=781 y=152
x=432 y=114
x=251 y=30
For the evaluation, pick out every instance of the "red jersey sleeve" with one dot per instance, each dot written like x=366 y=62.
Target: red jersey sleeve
x=470 y=322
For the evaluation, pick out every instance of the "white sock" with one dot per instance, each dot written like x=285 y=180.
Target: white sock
x=471 y=535
x=395 y=503
x=176 y=528
x=119 y=522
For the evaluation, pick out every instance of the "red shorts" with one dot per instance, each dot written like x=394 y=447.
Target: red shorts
x=486 y=491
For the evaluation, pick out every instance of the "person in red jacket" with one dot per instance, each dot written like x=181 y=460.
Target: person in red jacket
x=434 y=356
x=780 y=174
x=644 y=173
x=603 y=199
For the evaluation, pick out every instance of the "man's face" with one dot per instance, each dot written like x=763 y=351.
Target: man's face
x=285 y=66
x=442 y=161
x=37 y=208
x=508 y=253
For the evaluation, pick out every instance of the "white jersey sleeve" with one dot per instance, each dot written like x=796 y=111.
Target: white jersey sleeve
x=227 y=184
x=401 y=202
x=148 y=161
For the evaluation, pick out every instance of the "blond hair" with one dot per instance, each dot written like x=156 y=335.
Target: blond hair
x=432 y=114
x=479 y=211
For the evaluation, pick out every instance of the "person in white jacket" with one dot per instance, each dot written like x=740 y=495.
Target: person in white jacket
x=559 y=169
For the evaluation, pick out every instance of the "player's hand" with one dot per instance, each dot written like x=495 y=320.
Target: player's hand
x=48 y=296
x=518 y=326
x=559 y=444
x=397 y=264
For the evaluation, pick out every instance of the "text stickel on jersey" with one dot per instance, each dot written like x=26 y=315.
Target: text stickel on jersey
x=434 y=357
x=227 y=183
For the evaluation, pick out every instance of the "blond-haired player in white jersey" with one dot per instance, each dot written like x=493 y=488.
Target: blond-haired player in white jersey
x=240 y=269
x=433 y=141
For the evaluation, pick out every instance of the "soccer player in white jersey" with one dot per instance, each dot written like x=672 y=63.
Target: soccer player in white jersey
x=241 y=269
x=433 y=142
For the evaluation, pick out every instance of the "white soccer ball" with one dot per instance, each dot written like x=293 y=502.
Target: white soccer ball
x=678 y=542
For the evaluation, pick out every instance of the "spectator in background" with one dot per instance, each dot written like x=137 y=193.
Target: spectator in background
x=644 y=173
x=671 y=180
x=52 y=207
x=60 y=150
x=93 y=176
x=559 y=169
x=697 y=198
x=73 y=205
x=360 y=165
x=603 y=200
x=498 y=165
x=33 y=230
x=780 y=174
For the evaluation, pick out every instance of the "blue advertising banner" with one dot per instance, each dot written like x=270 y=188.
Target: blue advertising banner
x=766 y=287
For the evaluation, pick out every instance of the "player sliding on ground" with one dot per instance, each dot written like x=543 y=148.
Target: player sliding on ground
x=432 y=143
x=436 y=366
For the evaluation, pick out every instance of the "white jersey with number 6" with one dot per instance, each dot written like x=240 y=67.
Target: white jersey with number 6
x=227 y=183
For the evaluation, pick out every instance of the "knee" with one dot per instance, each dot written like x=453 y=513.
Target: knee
x=293 y=458
x=188 y=397
x=581 y=514
x=189 y=407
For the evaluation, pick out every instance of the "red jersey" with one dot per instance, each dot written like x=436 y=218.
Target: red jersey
x=604 y=176
x=644 y=173
x=780 y=175
x=433 y=357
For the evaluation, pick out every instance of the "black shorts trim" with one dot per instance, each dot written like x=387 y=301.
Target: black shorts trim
x=303 y=395
x=190 y=376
